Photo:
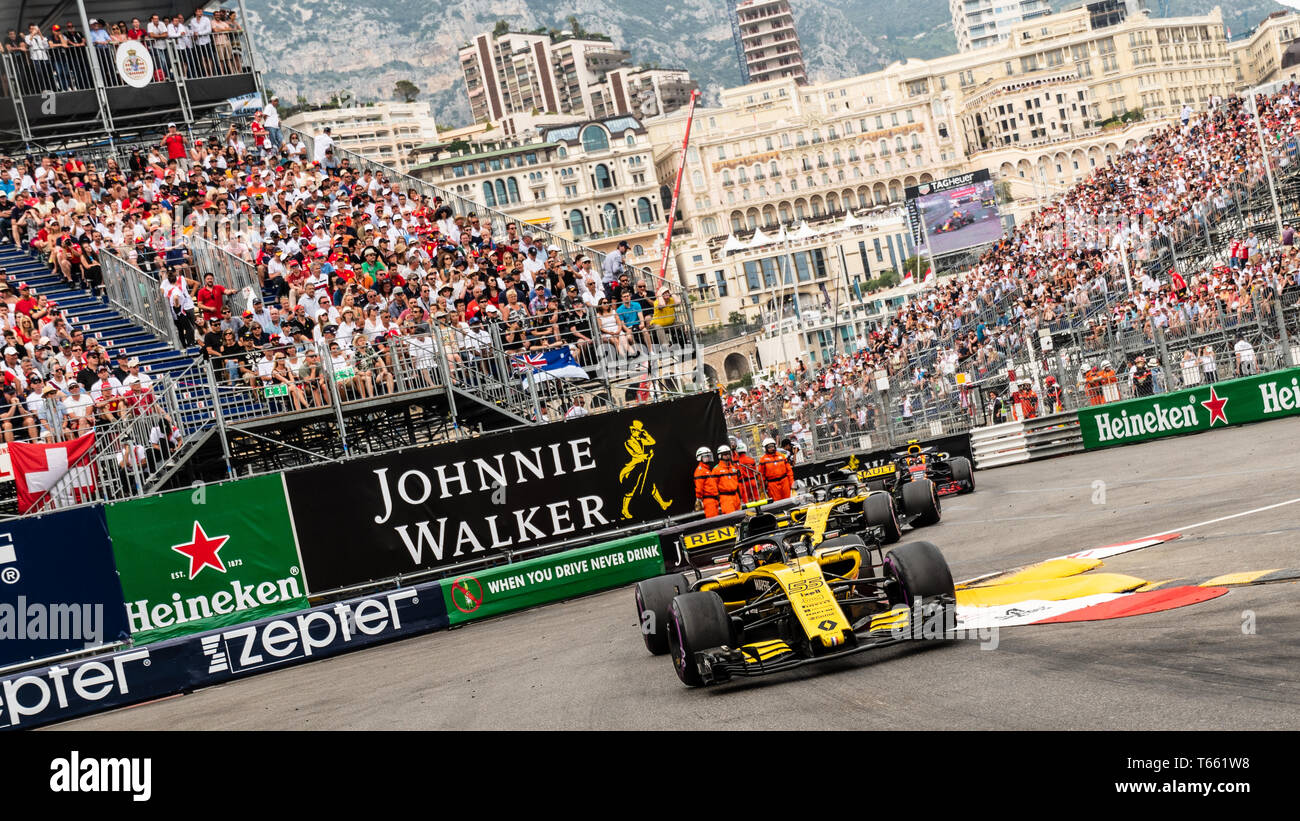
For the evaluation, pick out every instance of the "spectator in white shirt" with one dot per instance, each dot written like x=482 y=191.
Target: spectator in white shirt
x=272 y=122
x=201 y=27
x=324 y=142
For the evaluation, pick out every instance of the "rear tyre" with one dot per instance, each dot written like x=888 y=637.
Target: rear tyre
x=879 y=511
x=923 y=577
x=654 y=597
x=921 y=502
x=962 y=471
x=698 y=622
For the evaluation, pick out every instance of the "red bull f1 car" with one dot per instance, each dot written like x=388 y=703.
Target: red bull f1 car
x=949 y=475
x=789 y=597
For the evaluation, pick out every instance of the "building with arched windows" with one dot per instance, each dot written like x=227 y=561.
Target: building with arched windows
x=593 y=179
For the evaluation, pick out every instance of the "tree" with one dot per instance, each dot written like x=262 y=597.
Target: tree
x=736 y=318
x=502 y=27
x=459 y=146
x=406 y=90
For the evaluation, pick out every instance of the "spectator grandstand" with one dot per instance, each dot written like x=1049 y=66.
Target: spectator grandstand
x=281 y=270
x=1099 y=272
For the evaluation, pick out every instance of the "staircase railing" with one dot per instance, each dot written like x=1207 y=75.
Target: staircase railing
x=237 y=276
x=138 y=296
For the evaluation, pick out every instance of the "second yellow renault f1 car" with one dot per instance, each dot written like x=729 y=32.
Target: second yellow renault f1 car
x=789 y=598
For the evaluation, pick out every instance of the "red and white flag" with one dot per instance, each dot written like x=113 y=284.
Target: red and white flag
x=908 y=280
x=53 y=475
x=929 y=276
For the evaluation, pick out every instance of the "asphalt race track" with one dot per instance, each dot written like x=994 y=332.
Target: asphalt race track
x=581 y=664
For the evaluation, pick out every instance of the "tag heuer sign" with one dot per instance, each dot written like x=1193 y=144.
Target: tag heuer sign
x=925 y=189
x=134 y=63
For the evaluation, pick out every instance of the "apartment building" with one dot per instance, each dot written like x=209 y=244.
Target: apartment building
x=593 y=180
x=589 y=78
x=982 y=23
x=1271 y=53
x=385 y=132
x=767 y=44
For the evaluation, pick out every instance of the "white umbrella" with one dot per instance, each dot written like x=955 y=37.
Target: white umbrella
x=758 y=239
x=732 y=244
x=804 y=232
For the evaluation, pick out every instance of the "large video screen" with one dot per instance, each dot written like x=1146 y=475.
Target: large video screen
x=954 y=213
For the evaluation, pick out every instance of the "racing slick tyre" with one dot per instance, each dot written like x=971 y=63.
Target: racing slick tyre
x=654 y=597
x=921 y=502
x=698 y=622
x=922 y=576
x=878 y=508
x=963 y=472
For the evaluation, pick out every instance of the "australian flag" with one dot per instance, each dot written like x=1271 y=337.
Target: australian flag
x=552 y=364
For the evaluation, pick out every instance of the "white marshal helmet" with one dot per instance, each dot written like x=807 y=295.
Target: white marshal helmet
x=740 y=448
x=703 y=453
x=769 y=442
x=724 y=450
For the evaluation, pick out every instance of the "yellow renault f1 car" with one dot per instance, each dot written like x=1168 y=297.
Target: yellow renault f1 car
x=789 y=597
x=844 y=506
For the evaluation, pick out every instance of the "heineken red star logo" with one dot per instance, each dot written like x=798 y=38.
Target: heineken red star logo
x=202 y=551
x=1215 y=406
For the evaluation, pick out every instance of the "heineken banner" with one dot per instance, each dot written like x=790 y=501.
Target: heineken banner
x=197 y=559
x=58 y=587
x=1249 y=399
x=59 y=692
x=424 y=508
x=551 y=578
x=829 y=470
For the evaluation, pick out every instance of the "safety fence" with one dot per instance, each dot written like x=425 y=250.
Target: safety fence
x=139 y=295
x=369 y=527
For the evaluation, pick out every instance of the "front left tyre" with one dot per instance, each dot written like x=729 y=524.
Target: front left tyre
x=698 y=622
x=654 y=597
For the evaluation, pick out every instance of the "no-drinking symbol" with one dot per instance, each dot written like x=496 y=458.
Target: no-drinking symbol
x=466 y=594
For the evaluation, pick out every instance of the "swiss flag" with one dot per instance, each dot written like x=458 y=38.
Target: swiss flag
x=53 y=475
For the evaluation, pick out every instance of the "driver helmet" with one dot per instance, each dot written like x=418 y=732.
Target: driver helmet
x=703 y=454
x=724 y=450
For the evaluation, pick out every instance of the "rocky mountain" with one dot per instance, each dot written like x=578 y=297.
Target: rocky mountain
x=316 y=48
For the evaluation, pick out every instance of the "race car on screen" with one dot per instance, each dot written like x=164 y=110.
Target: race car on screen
x=957 y=221
x=786 y=600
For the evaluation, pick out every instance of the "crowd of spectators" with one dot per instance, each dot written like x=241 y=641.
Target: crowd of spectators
x=205 y=44
x=1065 y=268
x=348 y=264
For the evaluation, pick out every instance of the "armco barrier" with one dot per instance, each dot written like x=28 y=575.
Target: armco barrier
x=553 y=578
x=60 y=692
x=1223 y=404
x=998 y=445
x=1054 y=435
x=1014 y=442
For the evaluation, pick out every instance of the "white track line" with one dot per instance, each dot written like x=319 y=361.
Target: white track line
x=1222 y=518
